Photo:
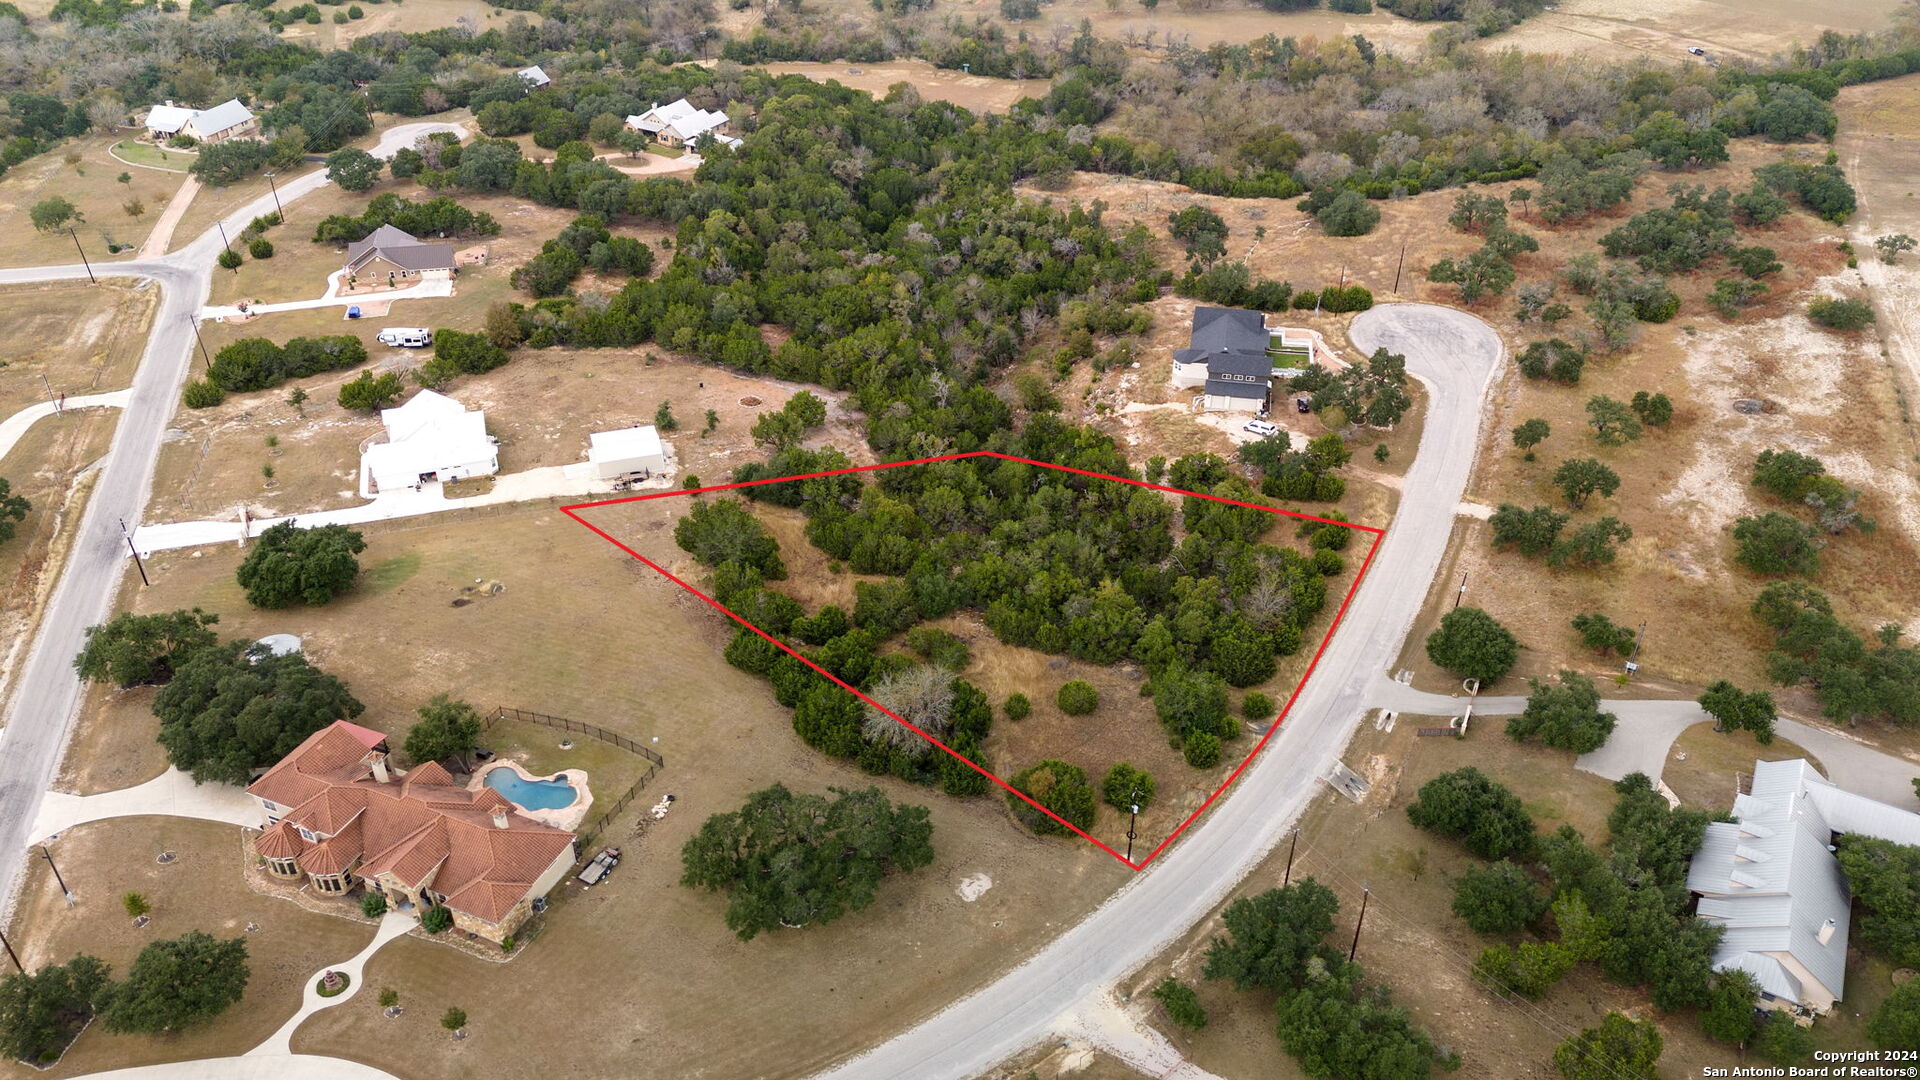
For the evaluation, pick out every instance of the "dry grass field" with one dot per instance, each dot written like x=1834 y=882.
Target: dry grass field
x=975 y=92
x=72 y=338
x=83 y=173
x=1663 y=29
x=581 y=630
x=412 y=17
x=202 y=888
x=1704 y=766
x=1412 y=942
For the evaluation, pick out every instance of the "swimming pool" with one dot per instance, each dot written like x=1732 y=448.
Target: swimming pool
x=532 y=794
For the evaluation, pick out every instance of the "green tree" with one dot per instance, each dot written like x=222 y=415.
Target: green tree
x=232 y=708
x=1734 y=709
x=1530 y=970
x=1182 y=1004
x=1077 y=698
x=353 y=169
x=453 y=1019
x=1654 y=410
x=1473 y=645
x=1060 y=788
x=1566 y=716
x=1895 y=1025
x=1272 y=937
x=1755 y=262
x=1729 y=1015
x=446 y=729
x=1187 y=700
x=1479 y=275
x=290 y=565
x=1530 y=532
x=42 y=1011
x=1891 y=247
x=55 y=213
x=368 y=392
x=13 y=510
x=1336 y=1027
x=1613 y=422
x=177 y=984
x=1200 y=749
x=137 y=650
x=1582 y=478
x=228 y=259
x=1348 y=214
x=1884 y=878
x=1256 y=706
x=1481 y=813
x=1619 y=1049
x=135 y=904
x=1776 y=544
x=1531 y=433
x=663 y=417
x=1590 y=545
x=1126 y=787
x=1603 y=635
x=722 y=531
x=1784 y=1042
x=1497 y=899
x=787 y=859
x=1730 y=295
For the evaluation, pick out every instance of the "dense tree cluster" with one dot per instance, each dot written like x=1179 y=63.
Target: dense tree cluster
x=1565 y=716
x=290 y=565
x=1802 y=478
x=436 y=217
x=258 y=364
x=1885 y=878
x=787 y=859
x=137 y=650
x=1473 y=645
x=1060 y=788
x=1851 y=679
x=1482 y=814
x=233 y=708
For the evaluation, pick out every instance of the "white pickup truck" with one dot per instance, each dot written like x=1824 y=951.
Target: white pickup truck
x=406 y=337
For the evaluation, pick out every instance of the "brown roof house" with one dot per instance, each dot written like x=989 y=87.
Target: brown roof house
x=390 y=255
x=339 y=816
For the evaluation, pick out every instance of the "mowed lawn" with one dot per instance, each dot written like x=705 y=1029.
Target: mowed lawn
x=201 y=888
x=581 y=630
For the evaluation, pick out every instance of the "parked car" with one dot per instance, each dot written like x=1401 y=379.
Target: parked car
x=1696 y=50
x=1263 y=428
x=1302 y=405
x=406 y=337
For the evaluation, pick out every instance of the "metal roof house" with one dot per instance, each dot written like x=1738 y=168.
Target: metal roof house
x=534 y=77
x=227 y=120
x=430 y=438
x=627 y=452
x=681 y=123
x=1771 y=879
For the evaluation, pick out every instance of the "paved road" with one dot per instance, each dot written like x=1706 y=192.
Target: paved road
x=47 y=695
x=1455 y=355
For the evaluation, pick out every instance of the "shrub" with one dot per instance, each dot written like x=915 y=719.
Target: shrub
x=1018 y=706
x=1497 y=899
x=1843 y=315
x=438 y=920
x=1077 y=698
x=1348 y=214
x=373 y=905
x=228 y=259
x=1256 y=706
x=1201 y=749
x=1126 y=787
x=1481 y=813
x=202 y=394
x=260 y=247
x=1183 y=1006
x=369 y=393
x=1058 y=786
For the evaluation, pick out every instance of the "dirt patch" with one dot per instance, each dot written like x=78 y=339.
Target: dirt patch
x=1623 y=30
x=1705 y=768
x=71 y=338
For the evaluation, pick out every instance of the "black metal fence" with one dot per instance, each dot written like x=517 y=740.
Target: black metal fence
x=586 y=839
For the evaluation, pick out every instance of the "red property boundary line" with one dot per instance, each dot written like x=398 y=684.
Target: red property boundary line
x=572 y=511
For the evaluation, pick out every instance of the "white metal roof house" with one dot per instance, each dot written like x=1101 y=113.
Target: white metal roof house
x=680 y=123
x=533 y=77
x=165 y=121
x=430 y=438
x=625 y=452
x=227 y=120
x=1771 y=879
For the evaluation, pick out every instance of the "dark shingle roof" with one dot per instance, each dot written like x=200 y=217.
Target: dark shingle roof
x=1237 y=329
x=400 y=248
x=1230 y=388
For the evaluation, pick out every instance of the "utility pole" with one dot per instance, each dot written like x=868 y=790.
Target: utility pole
x=223 y=235
x=195 y=323
x=1458 y=596
x=1365 y=894
x=1400 y=265
x=8 y=945
x=1633 y=664
x=282 y=214
x=58 y=405
x=83 y=256
x=137 y=564
x=1287 y=878
x=56 y=874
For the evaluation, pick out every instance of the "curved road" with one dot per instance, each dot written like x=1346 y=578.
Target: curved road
x=47 y=695
x=1455 y=356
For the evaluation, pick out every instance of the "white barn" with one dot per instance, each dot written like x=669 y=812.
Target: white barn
x=627 y=451
x=430 y=438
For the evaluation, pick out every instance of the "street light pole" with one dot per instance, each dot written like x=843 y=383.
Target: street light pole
x=1463 y=591
x=83 y=256
x=56 y=874
x=1133 y=806
x=282 y=214
x=137 y=564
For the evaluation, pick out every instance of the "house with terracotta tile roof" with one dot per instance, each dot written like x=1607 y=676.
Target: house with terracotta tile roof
x=340 y=817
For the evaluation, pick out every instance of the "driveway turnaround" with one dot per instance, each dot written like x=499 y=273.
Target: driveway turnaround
x=1455 y=356
x=47 y=695
x=172 y=794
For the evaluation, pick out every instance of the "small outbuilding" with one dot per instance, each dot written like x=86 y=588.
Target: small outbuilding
x=279 y=644
x=627 y=452
x=534 y=77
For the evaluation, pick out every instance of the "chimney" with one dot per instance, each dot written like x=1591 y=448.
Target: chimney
x=1827 y=930
x=380 y=768
x=500 y=821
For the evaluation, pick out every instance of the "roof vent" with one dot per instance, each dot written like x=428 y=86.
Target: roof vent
x=1827 y=930
x=499 y=817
